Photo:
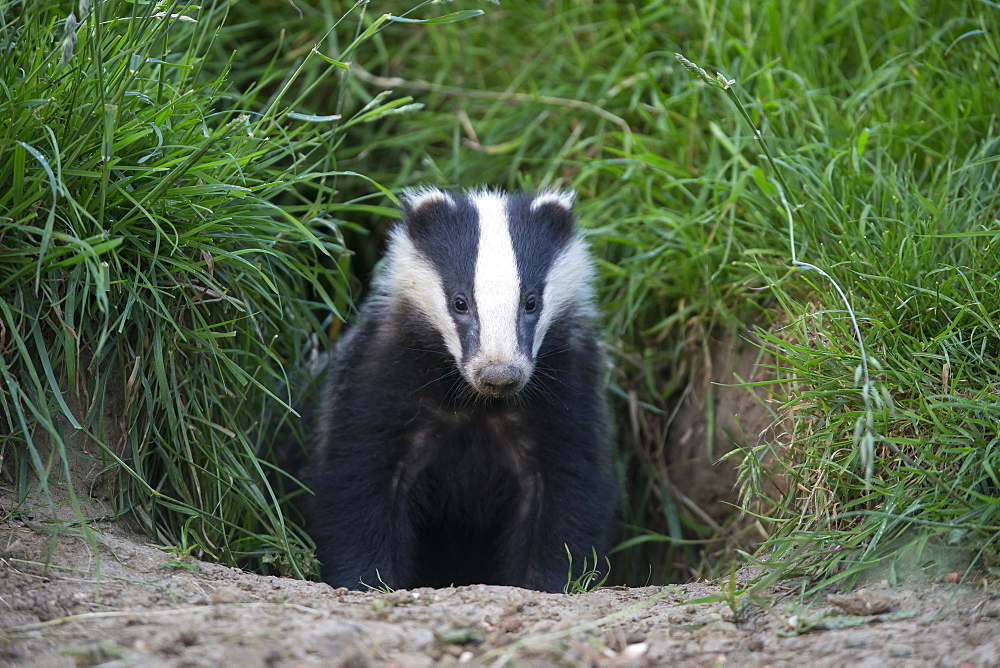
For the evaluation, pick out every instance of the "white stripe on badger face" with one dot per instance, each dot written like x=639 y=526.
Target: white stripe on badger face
x=497 y=287
x=567 y=285
x=415 y=279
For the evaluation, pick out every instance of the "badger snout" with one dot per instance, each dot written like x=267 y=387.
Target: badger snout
x=499 y=380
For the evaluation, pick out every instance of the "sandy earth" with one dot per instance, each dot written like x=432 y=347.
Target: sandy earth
x=152 y=609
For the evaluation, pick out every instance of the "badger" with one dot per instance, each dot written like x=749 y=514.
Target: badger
x=460 y=432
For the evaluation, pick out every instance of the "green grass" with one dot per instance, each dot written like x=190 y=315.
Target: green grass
x=921 y=455
x=165 y=217
x=591 y=575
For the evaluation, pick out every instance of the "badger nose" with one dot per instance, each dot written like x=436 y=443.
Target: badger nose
x=499 y=380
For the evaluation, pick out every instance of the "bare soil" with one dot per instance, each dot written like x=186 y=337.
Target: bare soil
x=149 y=607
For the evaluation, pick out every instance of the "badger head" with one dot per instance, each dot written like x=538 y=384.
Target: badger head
x=491 y=273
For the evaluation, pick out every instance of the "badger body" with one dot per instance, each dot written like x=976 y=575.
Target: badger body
x=460 y=434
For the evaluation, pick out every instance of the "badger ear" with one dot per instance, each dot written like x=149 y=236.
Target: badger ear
x=423 y=206
x=556 y=208
x=563 y=199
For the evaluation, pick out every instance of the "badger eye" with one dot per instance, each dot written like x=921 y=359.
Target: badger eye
x=530 y=305
x=459 y=304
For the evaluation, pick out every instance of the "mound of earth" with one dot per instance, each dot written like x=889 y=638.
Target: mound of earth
x=134 y=604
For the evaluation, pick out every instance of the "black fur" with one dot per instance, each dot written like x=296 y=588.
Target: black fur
x=420 y=481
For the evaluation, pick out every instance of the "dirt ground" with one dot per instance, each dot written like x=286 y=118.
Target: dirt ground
x=150 y=608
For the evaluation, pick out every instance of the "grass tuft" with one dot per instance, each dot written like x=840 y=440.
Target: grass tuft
x=168 y=246
x=589 y=575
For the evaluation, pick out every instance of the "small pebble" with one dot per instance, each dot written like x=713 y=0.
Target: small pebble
x=862 y=602
x=636 y=650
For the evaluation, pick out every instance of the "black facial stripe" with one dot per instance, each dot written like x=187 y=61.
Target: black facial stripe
x=448 y=236
x=537 y=236
x=468 y=333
